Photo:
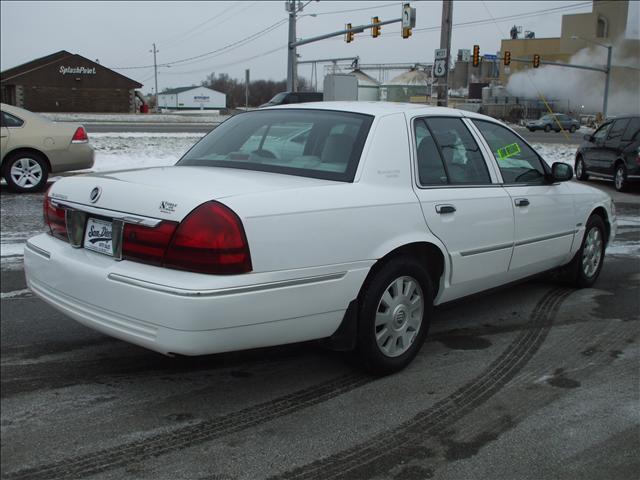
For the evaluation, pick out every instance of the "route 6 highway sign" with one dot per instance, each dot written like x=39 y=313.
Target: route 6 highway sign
x=439 y=68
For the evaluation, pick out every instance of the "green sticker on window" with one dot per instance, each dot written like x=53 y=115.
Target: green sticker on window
x=508 y=151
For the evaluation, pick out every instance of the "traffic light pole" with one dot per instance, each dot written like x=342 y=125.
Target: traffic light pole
x=356 y=29
x=445 y=44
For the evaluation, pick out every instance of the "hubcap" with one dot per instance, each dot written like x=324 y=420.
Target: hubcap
x=399 y=316
x=579 y=169
x=26 y=172
x=619 y=178
x=592 y=252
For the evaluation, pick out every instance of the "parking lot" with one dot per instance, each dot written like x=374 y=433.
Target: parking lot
x=535 y=380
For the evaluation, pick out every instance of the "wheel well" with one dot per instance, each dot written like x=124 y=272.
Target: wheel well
x=602 y=213
x=25 y=150
x=428 y=254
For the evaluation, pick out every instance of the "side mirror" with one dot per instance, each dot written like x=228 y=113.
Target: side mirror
x=561 y=172
x=587 y=137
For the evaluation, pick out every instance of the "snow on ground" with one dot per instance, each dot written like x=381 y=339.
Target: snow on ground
x=552 y=152
x=197 y=116
x=117 y=151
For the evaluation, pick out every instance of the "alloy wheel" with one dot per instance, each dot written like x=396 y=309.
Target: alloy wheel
x=26 y=173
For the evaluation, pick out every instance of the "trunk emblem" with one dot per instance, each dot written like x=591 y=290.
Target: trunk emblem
x=95 y=194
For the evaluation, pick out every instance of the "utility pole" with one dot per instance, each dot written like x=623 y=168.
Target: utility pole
x=155 y=71
x=606 y=84
x=445 y=44
x=246 y=89
x=292 y=54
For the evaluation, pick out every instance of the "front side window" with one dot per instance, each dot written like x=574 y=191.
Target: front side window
x=602 y=132
x=518 y=162
x=313 y=143
x=9 y=120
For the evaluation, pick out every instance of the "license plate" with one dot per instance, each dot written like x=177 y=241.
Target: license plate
x=98 y=236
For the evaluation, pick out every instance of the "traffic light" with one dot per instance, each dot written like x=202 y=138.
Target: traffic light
x=476 y=55
x=408 y=20
x=375 y=31
x=507 y=57
x=349 y=35
x=536 y=61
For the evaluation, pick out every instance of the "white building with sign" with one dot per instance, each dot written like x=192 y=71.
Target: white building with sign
x=192 y=98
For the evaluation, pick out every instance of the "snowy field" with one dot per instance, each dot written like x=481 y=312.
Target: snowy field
x=196 y=116
x=21 y=217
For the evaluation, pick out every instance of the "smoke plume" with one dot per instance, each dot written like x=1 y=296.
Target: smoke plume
x=584 y=89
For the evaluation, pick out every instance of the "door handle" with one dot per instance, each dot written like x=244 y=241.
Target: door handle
x=445 y=208
x=521 y=202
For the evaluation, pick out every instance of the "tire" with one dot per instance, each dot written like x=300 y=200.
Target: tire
x=530 y=129
x=585 y=267
x=547 y=128
x=620 y=178
x=26 y=172
x=573 y=129
x=581 y=170
x=395 y=309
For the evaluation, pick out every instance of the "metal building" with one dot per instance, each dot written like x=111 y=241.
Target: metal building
x=412 y=86
x=192 y=98
x=67 y=82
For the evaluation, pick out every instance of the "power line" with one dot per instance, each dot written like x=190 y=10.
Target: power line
x=228 y=47
x=395 y=4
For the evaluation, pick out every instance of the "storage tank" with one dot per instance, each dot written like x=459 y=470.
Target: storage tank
x=368 y=87
x=412 y=86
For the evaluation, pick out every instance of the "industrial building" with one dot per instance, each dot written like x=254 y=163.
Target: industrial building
x=192 y=98
x=67 y=82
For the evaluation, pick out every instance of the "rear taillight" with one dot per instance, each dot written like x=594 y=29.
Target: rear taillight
x=55 y=219
x=147 y=244
x=80 y=136
x=210 y=239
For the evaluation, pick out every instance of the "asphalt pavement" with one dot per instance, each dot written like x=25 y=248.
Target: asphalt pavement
x=533 y=381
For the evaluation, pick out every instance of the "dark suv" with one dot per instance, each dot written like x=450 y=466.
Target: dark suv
x=284 y=98
x=612 y=152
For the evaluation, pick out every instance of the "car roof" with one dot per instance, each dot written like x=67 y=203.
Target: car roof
x=380 y=109
x=22 y=113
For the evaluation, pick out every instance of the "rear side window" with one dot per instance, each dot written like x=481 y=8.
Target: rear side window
x=9 y=120
x=447 y=144
x=310 y=143
x=632 y=131
x=517 y=161
x=617 y=129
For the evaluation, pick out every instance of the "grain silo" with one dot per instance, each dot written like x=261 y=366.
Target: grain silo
x=412 y=86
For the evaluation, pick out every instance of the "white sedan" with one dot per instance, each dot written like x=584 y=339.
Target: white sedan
x=383 y=211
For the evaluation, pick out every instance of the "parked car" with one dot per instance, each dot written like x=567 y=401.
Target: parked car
x=285 y=98
x=553 y=122
x=387 y=210
x=612 y=153
x=33 y=147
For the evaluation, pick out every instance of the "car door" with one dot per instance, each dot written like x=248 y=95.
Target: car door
x=462 y=203
x=544 y=213
x=610 y=150
x=4 y=138
x=591 y=151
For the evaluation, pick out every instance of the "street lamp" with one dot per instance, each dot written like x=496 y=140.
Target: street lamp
x=608 y=72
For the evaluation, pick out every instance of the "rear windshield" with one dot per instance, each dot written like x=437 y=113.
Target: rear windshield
x=308 y=143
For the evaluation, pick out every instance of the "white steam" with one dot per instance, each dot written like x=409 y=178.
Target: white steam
x=584 y=87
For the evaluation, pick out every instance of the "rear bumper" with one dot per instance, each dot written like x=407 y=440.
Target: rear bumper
x=78 y=156
x=171 y=311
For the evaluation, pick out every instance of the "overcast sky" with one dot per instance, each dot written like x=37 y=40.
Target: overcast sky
x=121 y=34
